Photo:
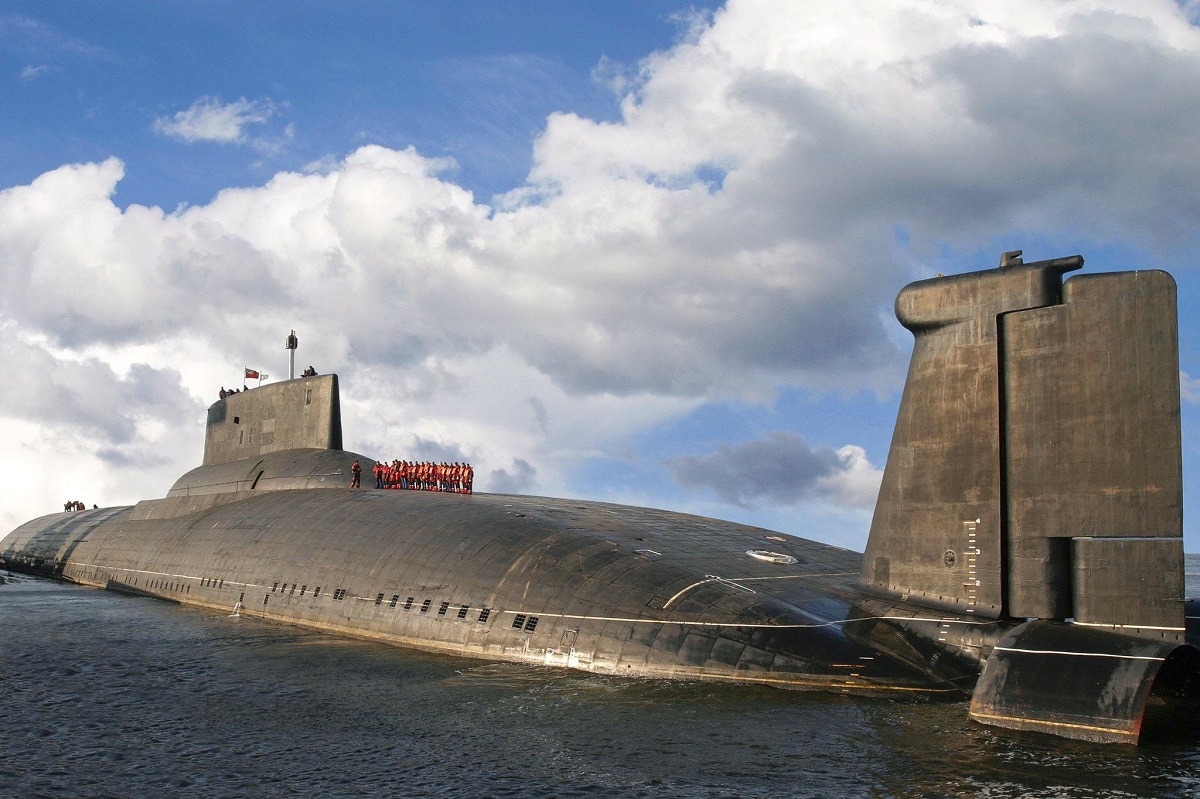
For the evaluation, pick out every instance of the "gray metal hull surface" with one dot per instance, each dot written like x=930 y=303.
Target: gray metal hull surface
x=586 y=585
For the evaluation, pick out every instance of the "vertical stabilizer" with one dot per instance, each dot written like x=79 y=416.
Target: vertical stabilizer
x=296 y=414
x=1093 y=470
x=1035 y=470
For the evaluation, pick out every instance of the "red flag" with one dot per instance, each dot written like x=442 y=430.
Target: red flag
x=251 y=374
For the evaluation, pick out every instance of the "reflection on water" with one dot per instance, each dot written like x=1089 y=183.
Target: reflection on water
x=108 y=695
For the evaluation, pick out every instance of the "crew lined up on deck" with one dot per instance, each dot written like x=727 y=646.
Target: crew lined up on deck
x=425 y=476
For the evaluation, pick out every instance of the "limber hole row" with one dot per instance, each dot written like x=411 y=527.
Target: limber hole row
x=521 y=621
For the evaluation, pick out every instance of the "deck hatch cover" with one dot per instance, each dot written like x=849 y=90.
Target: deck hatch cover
x=771 y=557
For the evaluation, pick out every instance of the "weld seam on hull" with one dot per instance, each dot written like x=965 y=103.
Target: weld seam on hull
x=632 y=620
x=1130 y=626
x=1077 y=654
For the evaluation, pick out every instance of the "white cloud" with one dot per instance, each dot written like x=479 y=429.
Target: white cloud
x=738 y=230
x=854 y=484
x=31 y=71
x=208 y=119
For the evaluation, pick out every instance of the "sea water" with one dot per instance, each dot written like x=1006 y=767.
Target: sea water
x=105 y=695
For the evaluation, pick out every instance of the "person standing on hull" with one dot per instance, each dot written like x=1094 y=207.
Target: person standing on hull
x=356 y=471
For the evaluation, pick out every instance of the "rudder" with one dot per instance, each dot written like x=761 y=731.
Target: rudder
x=1035 y=470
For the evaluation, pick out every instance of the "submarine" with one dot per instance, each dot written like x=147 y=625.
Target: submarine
x=1026 y=550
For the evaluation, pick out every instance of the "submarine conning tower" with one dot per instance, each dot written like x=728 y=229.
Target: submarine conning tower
x=303 y=413
x=275 y=437
x=1035 y=477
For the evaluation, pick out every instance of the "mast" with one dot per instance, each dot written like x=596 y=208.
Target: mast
x=290 y=344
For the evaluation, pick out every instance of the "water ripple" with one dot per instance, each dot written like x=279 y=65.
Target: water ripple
x=104 y=695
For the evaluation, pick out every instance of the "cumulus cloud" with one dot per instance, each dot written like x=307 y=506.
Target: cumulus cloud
x=84 y=396
x=781 y=469
x=518 y=479
x=209 y=119
x=742 y=227
x=77 y=428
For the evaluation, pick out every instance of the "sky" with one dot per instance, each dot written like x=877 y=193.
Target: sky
x=640 y=251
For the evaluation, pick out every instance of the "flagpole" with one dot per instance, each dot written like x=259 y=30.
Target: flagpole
x=253 y=374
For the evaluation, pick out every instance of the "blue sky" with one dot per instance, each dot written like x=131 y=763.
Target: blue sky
x=473 y=80
x=582 y=245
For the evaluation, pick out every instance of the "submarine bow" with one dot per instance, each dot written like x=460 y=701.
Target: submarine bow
x=1026 y=547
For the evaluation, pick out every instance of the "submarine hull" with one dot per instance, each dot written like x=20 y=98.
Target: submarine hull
x=594 y=586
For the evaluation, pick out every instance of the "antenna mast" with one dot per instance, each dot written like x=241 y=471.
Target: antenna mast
x=290 y=345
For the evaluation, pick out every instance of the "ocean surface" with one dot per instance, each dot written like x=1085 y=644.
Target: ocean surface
x=104 y=695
